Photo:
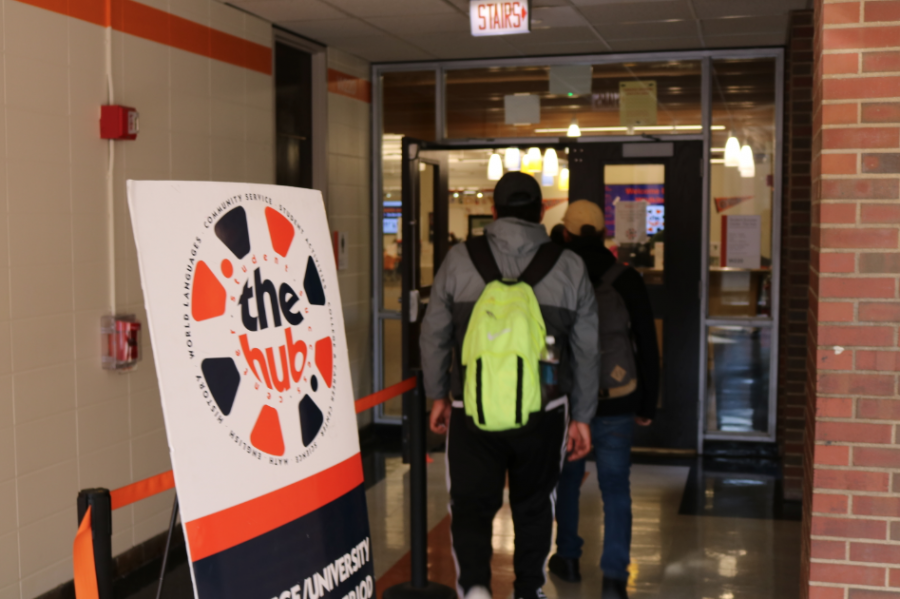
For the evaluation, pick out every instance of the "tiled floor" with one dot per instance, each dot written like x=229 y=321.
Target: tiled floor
x=675 y=555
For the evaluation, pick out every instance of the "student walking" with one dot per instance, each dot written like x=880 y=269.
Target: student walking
x=628 y=395
x=501 y=303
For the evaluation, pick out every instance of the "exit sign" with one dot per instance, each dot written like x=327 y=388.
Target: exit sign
x=499 y=17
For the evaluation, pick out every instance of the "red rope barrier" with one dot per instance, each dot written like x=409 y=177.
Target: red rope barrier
x=370 y=401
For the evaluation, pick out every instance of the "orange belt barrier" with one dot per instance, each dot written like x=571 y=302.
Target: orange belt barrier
x=370 y=401
x=142 y=490
x=83 y=560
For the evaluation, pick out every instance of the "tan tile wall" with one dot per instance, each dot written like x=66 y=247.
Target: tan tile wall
x=349 y=207
x=65 y=424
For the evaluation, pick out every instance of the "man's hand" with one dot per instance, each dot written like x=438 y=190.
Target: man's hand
x=579 y=442
x=640 y=421
x=440 y=416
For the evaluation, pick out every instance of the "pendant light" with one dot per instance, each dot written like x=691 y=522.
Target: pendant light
x=732 y=152
x=532 y=163
x=574 y=129
x=563 y=179
x=551 y=163
x=512 y=159
x=495 y=167
x=747 y=166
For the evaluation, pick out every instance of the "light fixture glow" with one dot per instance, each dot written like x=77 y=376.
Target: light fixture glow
x=732 y=152
x=512 y=159
x=574 y=130
x=495 y=167
x=479 y=195
x=563 y=183
x=551 y=163
x=747 y=165
x=532 y=161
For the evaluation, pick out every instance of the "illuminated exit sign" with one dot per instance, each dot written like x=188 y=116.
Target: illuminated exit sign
x=499 y=17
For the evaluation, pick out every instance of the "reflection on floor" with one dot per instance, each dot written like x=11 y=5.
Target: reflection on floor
x=748 y=549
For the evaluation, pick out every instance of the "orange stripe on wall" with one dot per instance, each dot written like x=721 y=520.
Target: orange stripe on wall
x=159 y=26
x=350 y=86
x=231 y=527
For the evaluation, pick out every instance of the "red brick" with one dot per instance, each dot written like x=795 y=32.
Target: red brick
x=840 y=64
x=848 y=38
x=837 y=214
x=882 y=262
x=874 y=62
x=856 y=335
x=878 y=409
x=859 y=238
x=860 y=189
x=882 y=11
x=882 y=361
x=874 y=553
x=850 y=528
x=860 y=288
x=853 y=432
x=840 y=573
x=895 y=531
x=876 y=457
x=870 y=594
x=880 y=213
x=851 y=480
x=840 y=114
x=832 y=455
x=840 y=13
x=826 y=592
x=834 y=407
x=883 y=164
x=893 y=581
x=881 y=112
x=835 y=311
x=838 y=164
x=837 y=262
x=860 y=137
x=879 y=312
x=829 y=359
x=866 y=505
x=820 y=549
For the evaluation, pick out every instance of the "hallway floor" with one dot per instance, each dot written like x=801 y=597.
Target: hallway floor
x=698 y=534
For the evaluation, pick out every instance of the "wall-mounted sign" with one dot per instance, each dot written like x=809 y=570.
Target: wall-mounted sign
x=499 y=17
x=631 y=222
x=741 y=241
x=637 y=103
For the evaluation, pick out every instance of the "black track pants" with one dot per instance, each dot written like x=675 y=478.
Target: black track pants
x=477 y=466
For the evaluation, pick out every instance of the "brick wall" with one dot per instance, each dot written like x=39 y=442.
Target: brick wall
x=852 y=507
x=795 y=249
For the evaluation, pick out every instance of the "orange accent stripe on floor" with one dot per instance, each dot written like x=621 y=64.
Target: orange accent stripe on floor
x=442 y=569
x=350 y=86
x=159 y=26
x=142 y=490
x=83 y=560
x=370 y=401
x=231 y=527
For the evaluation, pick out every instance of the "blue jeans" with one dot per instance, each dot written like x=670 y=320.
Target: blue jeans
x=611 y=436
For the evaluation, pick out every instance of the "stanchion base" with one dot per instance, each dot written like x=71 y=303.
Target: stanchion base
x=407 y=591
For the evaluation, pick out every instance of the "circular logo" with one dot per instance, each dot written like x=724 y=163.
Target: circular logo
x=261 y=330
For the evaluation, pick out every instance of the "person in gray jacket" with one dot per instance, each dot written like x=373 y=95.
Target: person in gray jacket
x=479 y=463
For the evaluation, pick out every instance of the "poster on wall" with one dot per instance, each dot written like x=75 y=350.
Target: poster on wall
x=637 y=103
x=654 y=196
x=631 y=222
x=741 y=241
x=248 y=340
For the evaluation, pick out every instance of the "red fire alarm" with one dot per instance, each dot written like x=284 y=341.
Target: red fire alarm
x=119 y=122
x=120 y=342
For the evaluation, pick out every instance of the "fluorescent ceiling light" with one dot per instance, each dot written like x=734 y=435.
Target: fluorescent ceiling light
x=625 y=129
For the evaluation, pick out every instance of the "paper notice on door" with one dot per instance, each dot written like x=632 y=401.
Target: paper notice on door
x=741 y=241
x=631 y=222
x=637 y=103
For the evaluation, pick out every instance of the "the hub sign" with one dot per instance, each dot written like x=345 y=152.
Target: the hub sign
x=499 y=17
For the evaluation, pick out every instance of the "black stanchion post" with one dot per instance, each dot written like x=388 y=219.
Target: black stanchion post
x=419 y=587
x=101 y=532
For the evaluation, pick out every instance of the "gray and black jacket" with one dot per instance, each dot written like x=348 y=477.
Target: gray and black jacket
x=567 y=302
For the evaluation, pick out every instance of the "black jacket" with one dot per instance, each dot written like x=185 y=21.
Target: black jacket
x=630 y=285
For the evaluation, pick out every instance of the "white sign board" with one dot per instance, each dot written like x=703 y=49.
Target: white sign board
x=499 y=17
x=631 y=222
x=741 y=241
x=248 y=340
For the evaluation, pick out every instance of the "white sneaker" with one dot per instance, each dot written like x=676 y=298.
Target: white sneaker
x=478 y=592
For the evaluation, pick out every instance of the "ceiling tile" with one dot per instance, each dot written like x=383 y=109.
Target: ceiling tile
x=654 y=44
x=752 y=40
x=560 y=16
x=333 y=30
x=553 y=35
x=636 y=12
x=599 y=2
x=383 y=49
x=289 y=10
x=422 y=24
x=460 y=46
x=711 y=9
x=618 y=31
x=392 y=8
x=746 y=25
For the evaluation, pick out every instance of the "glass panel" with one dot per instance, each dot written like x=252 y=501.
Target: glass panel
x=392 y=356
x=738 y=379
x=611 y=99
x=408 y=104
x=426 y=224
x=742 y=187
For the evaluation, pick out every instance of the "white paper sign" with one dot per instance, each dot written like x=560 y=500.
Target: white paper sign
x=248 y=340
x=631 y=222
x=741 y=241
x=499 y=17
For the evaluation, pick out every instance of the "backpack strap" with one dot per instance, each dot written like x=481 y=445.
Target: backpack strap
x=542 y=263
x=483 y=258
x=611 y=274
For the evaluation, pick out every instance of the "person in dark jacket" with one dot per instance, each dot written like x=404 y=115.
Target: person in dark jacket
x=613 y=425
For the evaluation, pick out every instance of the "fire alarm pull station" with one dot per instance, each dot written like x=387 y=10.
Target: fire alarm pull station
x=120 y=343
x=119 y=122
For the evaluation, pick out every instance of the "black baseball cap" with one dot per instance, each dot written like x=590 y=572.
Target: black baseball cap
x=517 y=189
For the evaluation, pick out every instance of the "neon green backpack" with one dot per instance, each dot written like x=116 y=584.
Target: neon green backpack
x=503 y=342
